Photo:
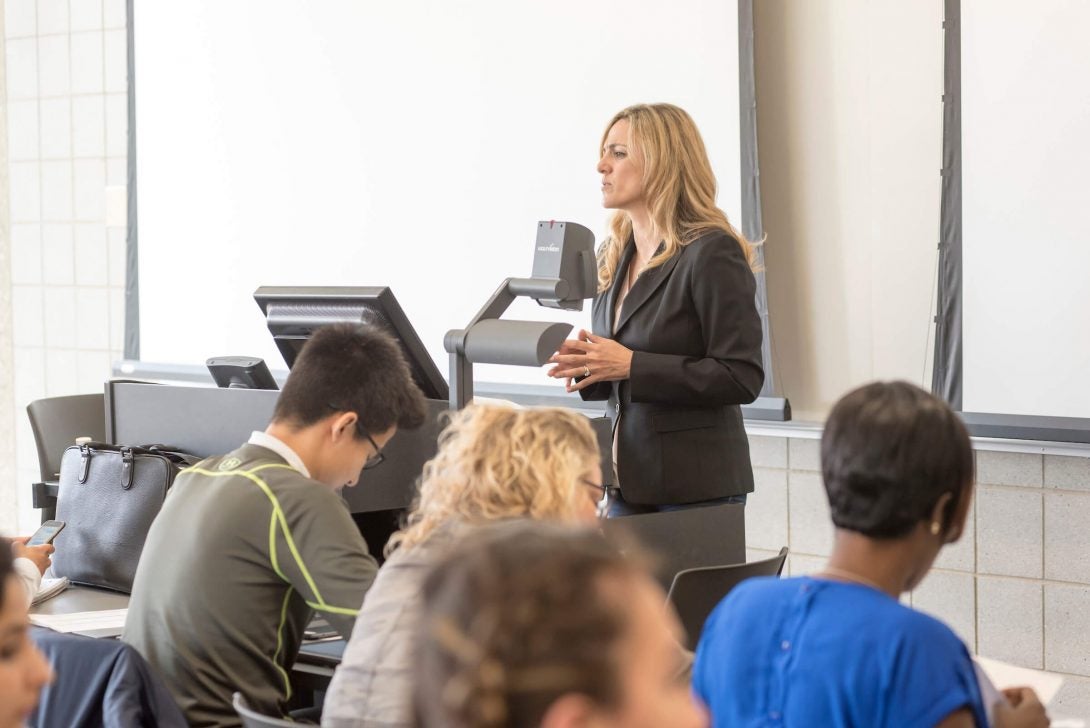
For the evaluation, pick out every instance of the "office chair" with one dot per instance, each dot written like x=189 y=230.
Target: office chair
x=253 y=719
x=100 y=682
x=56 y=423
x=696 y=592
x=688 y=538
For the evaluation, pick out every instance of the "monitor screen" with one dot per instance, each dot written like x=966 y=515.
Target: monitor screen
x=293 y=313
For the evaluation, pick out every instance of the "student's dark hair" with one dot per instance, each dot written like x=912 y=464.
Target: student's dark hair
x=351 y=368
x=517 y=614
x=890 y=450
x=7 y=567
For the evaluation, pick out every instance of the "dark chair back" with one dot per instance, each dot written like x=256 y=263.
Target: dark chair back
x=56 y=423
x=696 y=592
x=253 y=719
x=687 y=538
x=100 y=682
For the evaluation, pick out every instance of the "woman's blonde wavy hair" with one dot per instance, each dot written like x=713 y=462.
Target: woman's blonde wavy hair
x=678 y=183
x=498 y=462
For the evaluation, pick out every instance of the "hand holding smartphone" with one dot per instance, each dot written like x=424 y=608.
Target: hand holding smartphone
x=46 y=533
x=38 y=547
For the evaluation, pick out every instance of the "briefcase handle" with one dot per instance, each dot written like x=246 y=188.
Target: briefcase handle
x=128 y=459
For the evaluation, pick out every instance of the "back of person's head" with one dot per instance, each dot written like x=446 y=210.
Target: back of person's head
x=23 y=669
x=350 y=367
x=889 y=452
x=534 y=624
x=498 y=462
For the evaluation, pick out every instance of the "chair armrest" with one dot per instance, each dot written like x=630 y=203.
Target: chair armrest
x=44 y=495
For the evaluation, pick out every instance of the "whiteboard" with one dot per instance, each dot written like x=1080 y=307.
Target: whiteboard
x=413 y=145
x=1026 y=189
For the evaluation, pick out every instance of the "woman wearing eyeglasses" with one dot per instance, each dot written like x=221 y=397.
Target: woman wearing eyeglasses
x=493 y=463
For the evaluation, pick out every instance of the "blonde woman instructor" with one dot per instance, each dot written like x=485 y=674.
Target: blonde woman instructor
x=676 y=342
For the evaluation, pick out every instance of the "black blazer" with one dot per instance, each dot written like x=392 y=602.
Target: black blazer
x=693 y=327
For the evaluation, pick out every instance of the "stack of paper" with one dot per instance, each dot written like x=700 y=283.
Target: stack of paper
x=103 y=621
x=1003 y=675
x=50 y=588
x=994 y=676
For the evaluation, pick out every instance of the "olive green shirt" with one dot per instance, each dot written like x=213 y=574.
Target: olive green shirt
x=244 y=550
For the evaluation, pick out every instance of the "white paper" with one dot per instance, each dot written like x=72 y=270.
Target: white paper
x=49 y=588
x=1004 y=675
x=105 y=619
x=989 y=694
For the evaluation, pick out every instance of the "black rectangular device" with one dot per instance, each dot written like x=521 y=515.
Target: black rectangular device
x=46 y=533
x=240 y=372
x=293 y=313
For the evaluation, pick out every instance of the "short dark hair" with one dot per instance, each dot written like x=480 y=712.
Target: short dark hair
x=514 y=616
x=349 y=367
x=890 y=450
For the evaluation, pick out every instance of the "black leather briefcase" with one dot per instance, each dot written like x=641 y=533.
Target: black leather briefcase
x=108 y=497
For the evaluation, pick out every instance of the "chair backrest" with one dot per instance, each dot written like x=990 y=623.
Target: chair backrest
x=58 y=421
x=696 y=592
x=687 y=538
x=253 y=719
x=100 y=682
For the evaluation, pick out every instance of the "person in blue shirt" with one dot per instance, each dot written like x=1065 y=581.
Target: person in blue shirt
x=837 y=649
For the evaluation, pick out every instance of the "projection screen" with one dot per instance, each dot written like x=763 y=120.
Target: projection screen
x=1025 y=143
x=413 y=145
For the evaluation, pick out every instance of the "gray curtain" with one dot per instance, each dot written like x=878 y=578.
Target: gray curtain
x=946 y=378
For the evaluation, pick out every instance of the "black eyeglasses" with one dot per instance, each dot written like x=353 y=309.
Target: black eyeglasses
x=600 y=490
x=600 y=497
x=377 y=457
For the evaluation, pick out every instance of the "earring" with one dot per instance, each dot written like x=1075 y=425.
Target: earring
x=936 y=528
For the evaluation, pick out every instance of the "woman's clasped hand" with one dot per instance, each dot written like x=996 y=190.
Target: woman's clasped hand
x=590 y=359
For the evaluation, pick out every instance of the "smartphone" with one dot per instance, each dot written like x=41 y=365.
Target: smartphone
x=46 y=533
x=312 y=635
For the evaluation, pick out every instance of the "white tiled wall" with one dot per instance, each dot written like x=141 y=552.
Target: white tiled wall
x=1017 y=585
x=66 y=107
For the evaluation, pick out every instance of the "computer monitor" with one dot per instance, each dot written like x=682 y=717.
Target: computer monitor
x=293 y=313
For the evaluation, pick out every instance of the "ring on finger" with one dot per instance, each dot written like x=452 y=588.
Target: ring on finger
x=586 y=371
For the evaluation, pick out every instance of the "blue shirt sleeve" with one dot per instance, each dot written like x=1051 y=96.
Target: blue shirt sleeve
x=932 y=675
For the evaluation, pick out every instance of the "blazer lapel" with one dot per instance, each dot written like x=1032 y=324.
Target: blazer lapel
x=646 y=285
x=611 y=294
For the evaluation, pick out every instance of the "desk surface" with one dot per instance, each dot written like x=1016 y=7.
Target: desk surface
x=85 y=599
x=82 y=599
x=320 y=657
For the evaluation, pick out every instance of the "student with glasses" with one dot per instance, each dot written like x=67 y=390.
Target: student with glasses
x=249 y=544
x=494 y=463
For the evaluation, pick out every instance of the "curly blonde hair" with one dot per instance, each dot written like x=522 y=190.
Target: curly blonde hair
x=679 y=184
x=517 y=615
x=498 y=462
